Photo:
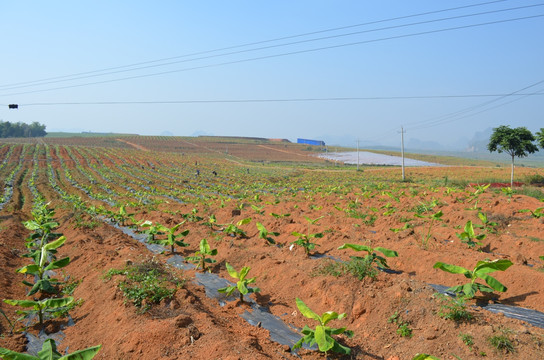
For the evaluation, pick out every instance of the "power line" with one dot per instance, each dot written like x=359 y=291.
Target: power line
x=255 y=43
x=461 y=114
x=284 y=54
x=276 y=46
x=352 y=98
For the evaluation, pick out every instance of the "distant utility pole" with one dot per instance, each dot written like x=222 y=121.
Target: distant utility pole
x=402 y=150
x=357 y=154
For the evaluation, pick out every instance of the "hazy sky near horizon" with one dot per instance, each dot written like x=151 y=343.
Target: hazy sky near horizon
x=278 y=69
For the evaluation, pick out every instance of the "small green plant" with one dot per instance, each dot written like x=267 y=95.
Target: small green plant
x=431 y=219
x=403 y=327
x=265 y=234
x=488 y=225
x=322 y=334
x=258 y=209
x=502 y=342
x=212 y=221
x=405 y=227
x=474 y=207
x=305 y=240
x=146 y=283
x=200 y=256
x=192 y=216
x=424 y=357
x=242 y=284
x=44 y=261
x=372 y=255
x=171 y=236
x=40 y=308
x=151 y=230
x=467 y=339
x=482 y=270
x=69 y=287
x=480 y=189
x=49 y=352
x=280 y=216
x=235 y=230
x=454 y=309
x=121 y=216
x=469 y=237
x=11 y=326
x=538 y=213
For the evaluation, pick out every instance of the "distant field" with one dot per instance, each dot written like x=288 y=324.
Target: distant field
x=272 y=151
x=83 y=134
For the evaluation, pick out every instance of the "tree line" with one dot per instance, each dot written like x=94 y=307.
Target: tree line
x=19 y=129
x=518 y=142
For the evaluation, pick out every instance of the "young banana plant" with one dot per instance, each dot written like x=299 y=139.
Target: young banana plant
x=43 y=264
x=265 y=234
x=322 y=334
x=49 y=352
x=40 y=307
x=242 y=284
x=200 y=256
x=469 y=237
x=372 y=253
x=482 y=270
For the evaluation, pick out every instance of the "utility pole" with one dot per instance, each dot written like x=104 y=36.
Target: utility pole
x=357 y=154
x=402 y=150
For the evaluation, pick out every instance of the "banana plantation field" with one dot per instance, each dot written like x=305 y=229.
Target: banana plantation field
x=208 y=248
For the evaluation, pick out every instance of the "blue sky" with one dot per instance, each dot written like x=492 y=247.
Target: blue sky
x=48 y=40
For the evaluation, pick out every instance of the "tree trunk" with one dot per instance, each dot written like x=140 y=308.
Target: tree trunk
x=512 y=174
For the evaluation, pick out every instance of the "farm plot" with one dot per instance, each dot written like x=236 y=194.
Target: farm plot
x=357 y=243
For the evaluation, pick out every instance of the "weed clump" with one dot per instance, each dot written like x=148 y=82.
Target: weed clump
x=502 y=342
x=454 y=309
x=358 y=267
x=146 y=283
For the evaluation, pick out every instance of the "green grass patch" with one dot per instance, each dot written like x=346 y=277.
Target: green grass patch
x=146 y=283
x=502 y=343
x=357 y=267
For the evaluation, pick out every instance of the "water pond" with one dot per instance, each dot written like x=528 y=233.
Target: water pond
x=369 y=158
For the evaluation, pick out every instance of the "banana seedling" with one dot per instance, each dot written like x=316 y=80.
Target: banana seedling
x=171 y=236
x=43 y=263
x=488 y=225
x=242 y=284
x=380 y=261
x=49 y=352
x=122 y=216
x=41 y=307
x=469 y=237
x=538 y=213
x=280 y=216
x=258 y=209
x=322 y=334
x=200 y=258
x=265 y=234
x=152 y=230
x=212 y=221
x=235 y=230
x=482 y=270
x=305 y=240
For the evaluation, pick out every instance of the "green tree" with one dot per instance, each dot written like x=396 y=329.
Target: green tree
x=540 y=137
x=516 y=142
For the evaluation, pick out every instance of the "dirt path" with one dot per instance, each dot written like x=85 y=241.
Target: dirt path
x=136 y=146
